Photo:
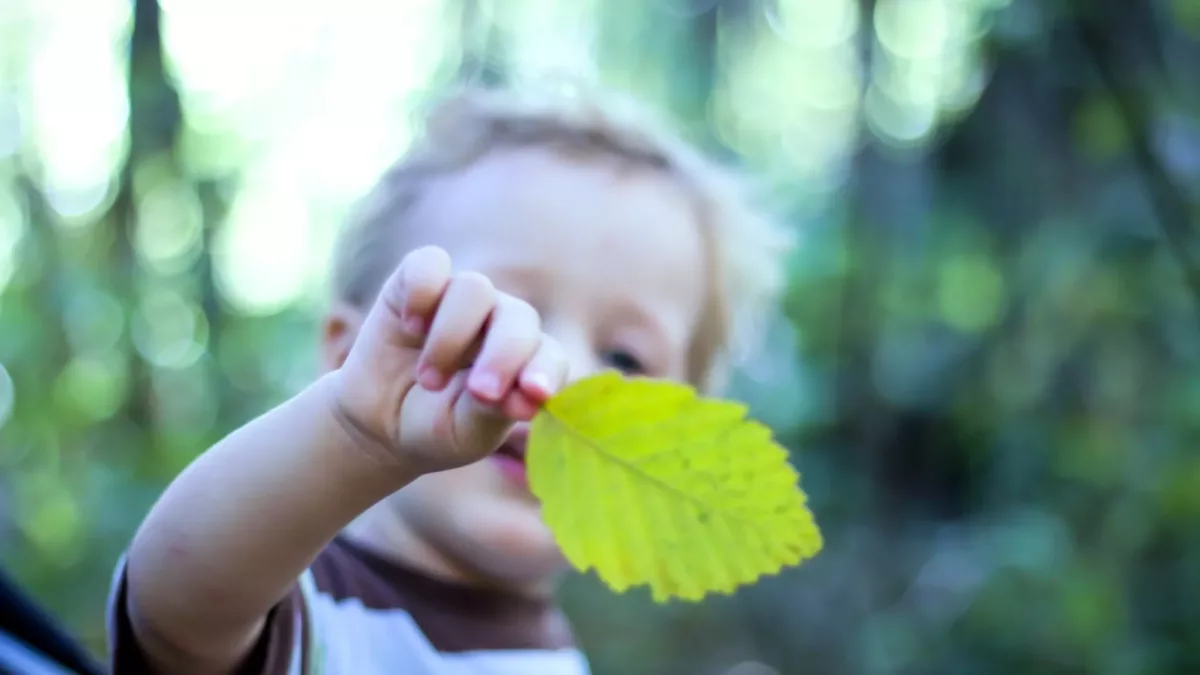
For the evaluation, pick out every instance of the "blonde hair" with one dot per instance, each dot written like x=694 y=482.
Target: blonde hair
x=745 y=247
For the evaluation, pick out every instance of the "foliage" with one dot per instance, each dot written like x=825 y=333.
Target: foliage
x=649 y=484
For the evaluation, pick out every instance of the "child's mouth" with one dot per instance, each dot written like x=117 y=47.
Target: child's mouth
x=510 y=457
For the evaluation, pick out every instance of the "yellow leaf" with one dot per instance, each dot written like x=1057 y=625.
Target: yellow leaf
x=650 y=484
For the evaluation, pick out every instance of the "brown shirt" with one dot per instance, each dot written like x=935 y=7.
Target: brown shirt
x=355 y=613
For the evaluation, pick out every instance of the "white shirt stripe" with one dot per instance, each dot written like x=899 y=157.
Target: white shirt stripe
x=357 y=640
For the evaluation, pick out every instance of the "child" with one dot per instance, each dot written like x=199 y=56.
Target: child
x=379 y=521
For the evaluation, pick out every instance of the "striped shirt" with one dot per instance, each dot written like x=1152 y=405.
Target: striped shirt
x=355 y=613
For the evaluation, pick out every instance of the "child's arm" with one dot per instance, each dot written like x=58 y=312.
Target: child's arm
x=231 y=534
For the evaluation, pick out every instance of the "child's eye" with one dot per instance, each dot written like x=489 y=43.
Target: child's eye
x=624 y=362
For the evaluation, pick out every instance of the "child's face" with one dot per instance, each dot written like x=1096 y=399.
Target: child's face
x=612 y=258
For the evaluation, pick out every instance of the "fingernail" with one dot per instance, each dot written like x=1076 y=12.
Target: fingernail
x=485 y=384
x=414 y=325
x=539 y=382
x=430 y=378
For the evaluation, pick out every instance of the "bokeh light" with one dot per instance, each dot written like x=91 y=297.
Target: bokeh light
x=12 y=227
x=7 y=397
x=76 y=64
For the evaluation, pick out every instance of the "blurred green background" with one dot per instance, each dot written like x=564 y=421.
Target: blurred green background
x=987 y=362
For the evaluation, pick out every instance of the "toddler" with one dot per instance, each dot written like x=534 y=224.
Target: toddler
x=379 y=521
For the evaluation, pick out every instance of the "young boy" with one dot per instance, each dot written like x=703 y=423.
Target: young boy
x=379 y=521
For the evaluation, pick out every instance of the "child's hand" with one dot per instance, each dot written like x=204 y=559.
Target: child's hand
x=444 y=365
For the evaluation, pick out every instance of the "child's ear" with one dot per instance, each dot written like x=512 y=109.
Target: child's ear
x=338 y=332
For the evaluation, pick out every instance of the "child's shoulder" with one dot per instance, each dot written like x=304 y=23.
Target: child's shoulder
x=356 y=609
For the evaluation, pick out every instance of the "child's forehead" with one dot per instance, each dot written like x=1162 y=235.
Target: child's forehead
x=539 y=199
x=538 y=215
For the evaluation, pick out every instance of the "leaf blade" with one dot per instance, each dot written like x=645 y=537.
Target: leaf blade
x=716 y=503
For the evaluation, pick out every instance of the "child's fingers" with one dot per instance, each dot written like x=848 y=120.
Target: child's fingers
x=513 y=336
x=540 y=379
x=464 y=309
x=518 y=406
x=424 y=276
x=546 y=371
